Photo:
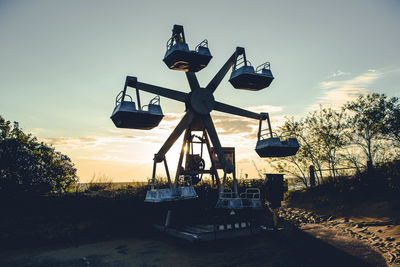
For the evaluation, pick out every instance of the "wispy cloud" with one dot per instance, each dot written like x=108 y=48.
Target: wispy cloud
x=125 y=149
x=85 y=143
x=109 y=158
x=340 y=73
x=266 y=108
x=338 y=92
x=37 y=131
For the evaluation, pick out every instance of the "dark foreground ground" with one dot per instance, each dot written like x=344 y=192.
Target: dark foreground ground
x=316 y=246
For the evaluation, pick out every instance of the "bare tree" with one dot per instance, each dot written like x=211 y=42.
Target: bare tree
x=308 y=150
x=326 y=128
x=367 y=117
x=392 y=122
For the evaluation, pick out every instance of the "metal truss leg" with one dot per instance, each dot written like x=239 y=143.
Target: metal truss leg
x=167 y=172
x=153 y=177
x=235 y=186
x=178 y=169
x=215 y=174
x=222 y=187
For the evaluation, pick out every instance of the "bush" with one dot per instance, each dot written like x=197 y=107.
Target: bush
x=31 y=167
x=99 y=183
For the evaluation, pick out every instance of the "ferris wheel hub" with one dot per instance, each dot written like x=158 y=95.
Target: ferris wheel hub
x=202 y=101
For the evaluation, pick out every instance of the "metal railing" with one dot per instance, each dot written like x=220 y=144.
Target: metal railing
x=153 y=101
x=118 y=98
x=227 y=193
x=265 y=134
x=203 y=43
x=265 y=65
x=240 y=62
x=251 y=193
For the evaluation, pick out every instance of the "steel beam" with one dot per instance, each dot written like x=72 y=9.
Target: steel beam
x=219 y=106
x=211 y=158
x=178 y=168
x=167 y=172
x=165 y=92
x=183 y=125
x=212 y=133
x=213 y=84
x=193 y=82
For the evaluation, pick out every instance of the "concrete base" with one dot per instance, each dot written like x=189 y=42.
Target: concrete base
x=208 y=232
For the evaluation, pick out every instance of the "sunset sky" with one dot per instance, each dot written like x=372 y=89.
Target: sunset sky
x=63 y=62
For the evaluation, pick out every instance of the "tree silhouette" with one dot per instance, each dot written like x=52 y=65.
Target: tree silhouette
x=367 y=116
x=29 y=166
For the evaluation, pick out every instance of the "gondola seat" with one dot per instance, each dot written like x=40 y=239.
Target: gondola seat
x=179 y=57
x=168 y=194
x=274 y=147
x=247 y=79
x=125 y=115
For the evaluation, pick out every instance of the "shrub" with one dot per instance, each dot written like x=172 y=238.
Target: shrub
x=99 y=183
x=29 y=166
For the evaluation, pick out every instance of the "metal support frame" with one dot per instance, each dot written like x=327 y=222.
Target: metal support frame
x=167 y=172
x=212 y=160
x=191 y=116
x=185 y=151
x=266 y=116
x=177 y=30
x=138 y=99
x=240 y=51
x=213 y=84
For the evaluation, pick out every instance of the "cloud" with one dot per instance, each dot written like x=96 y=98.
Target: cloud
x=37 y=131
x=339 y=73
x=114 y=158
x=336 y=93
x=266 y=108
x=233 y=125
x=126 y=149
x=84 y=143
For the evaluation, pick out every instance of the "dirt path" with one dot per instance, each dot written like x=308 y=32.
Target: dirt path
x=356 y=233
x=288 y=247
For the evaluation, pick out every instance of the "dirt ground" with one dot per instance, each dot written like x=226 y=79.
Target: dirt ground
x=316 y=245
x=376 y=224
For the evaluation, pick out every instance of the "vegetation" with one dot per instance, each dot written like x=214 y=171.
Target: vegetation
x=42 y=180
x=364 y=132
x=31 y=167
x=367 y=194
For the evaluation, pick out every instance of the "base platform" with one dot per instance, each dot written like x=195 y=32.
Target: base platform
x=209 y=232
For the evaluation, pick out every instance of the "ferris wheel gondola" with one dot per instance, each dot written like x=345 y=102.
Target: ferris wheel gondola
x=244 y=76
x=180 y=57
x=270 y=145
x=125 y=114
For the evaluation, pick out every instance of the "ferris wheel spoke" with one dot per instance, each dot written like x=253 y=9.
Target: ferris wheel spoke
x=209 y=125
x=213 y=84
x=182 y=125
x=165 y=92
x=193 y=82
x=169 y=93
x=219 y=106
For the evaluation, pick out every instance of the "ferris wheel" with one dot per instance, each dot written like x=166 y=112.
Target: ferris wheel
x=197 y=125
